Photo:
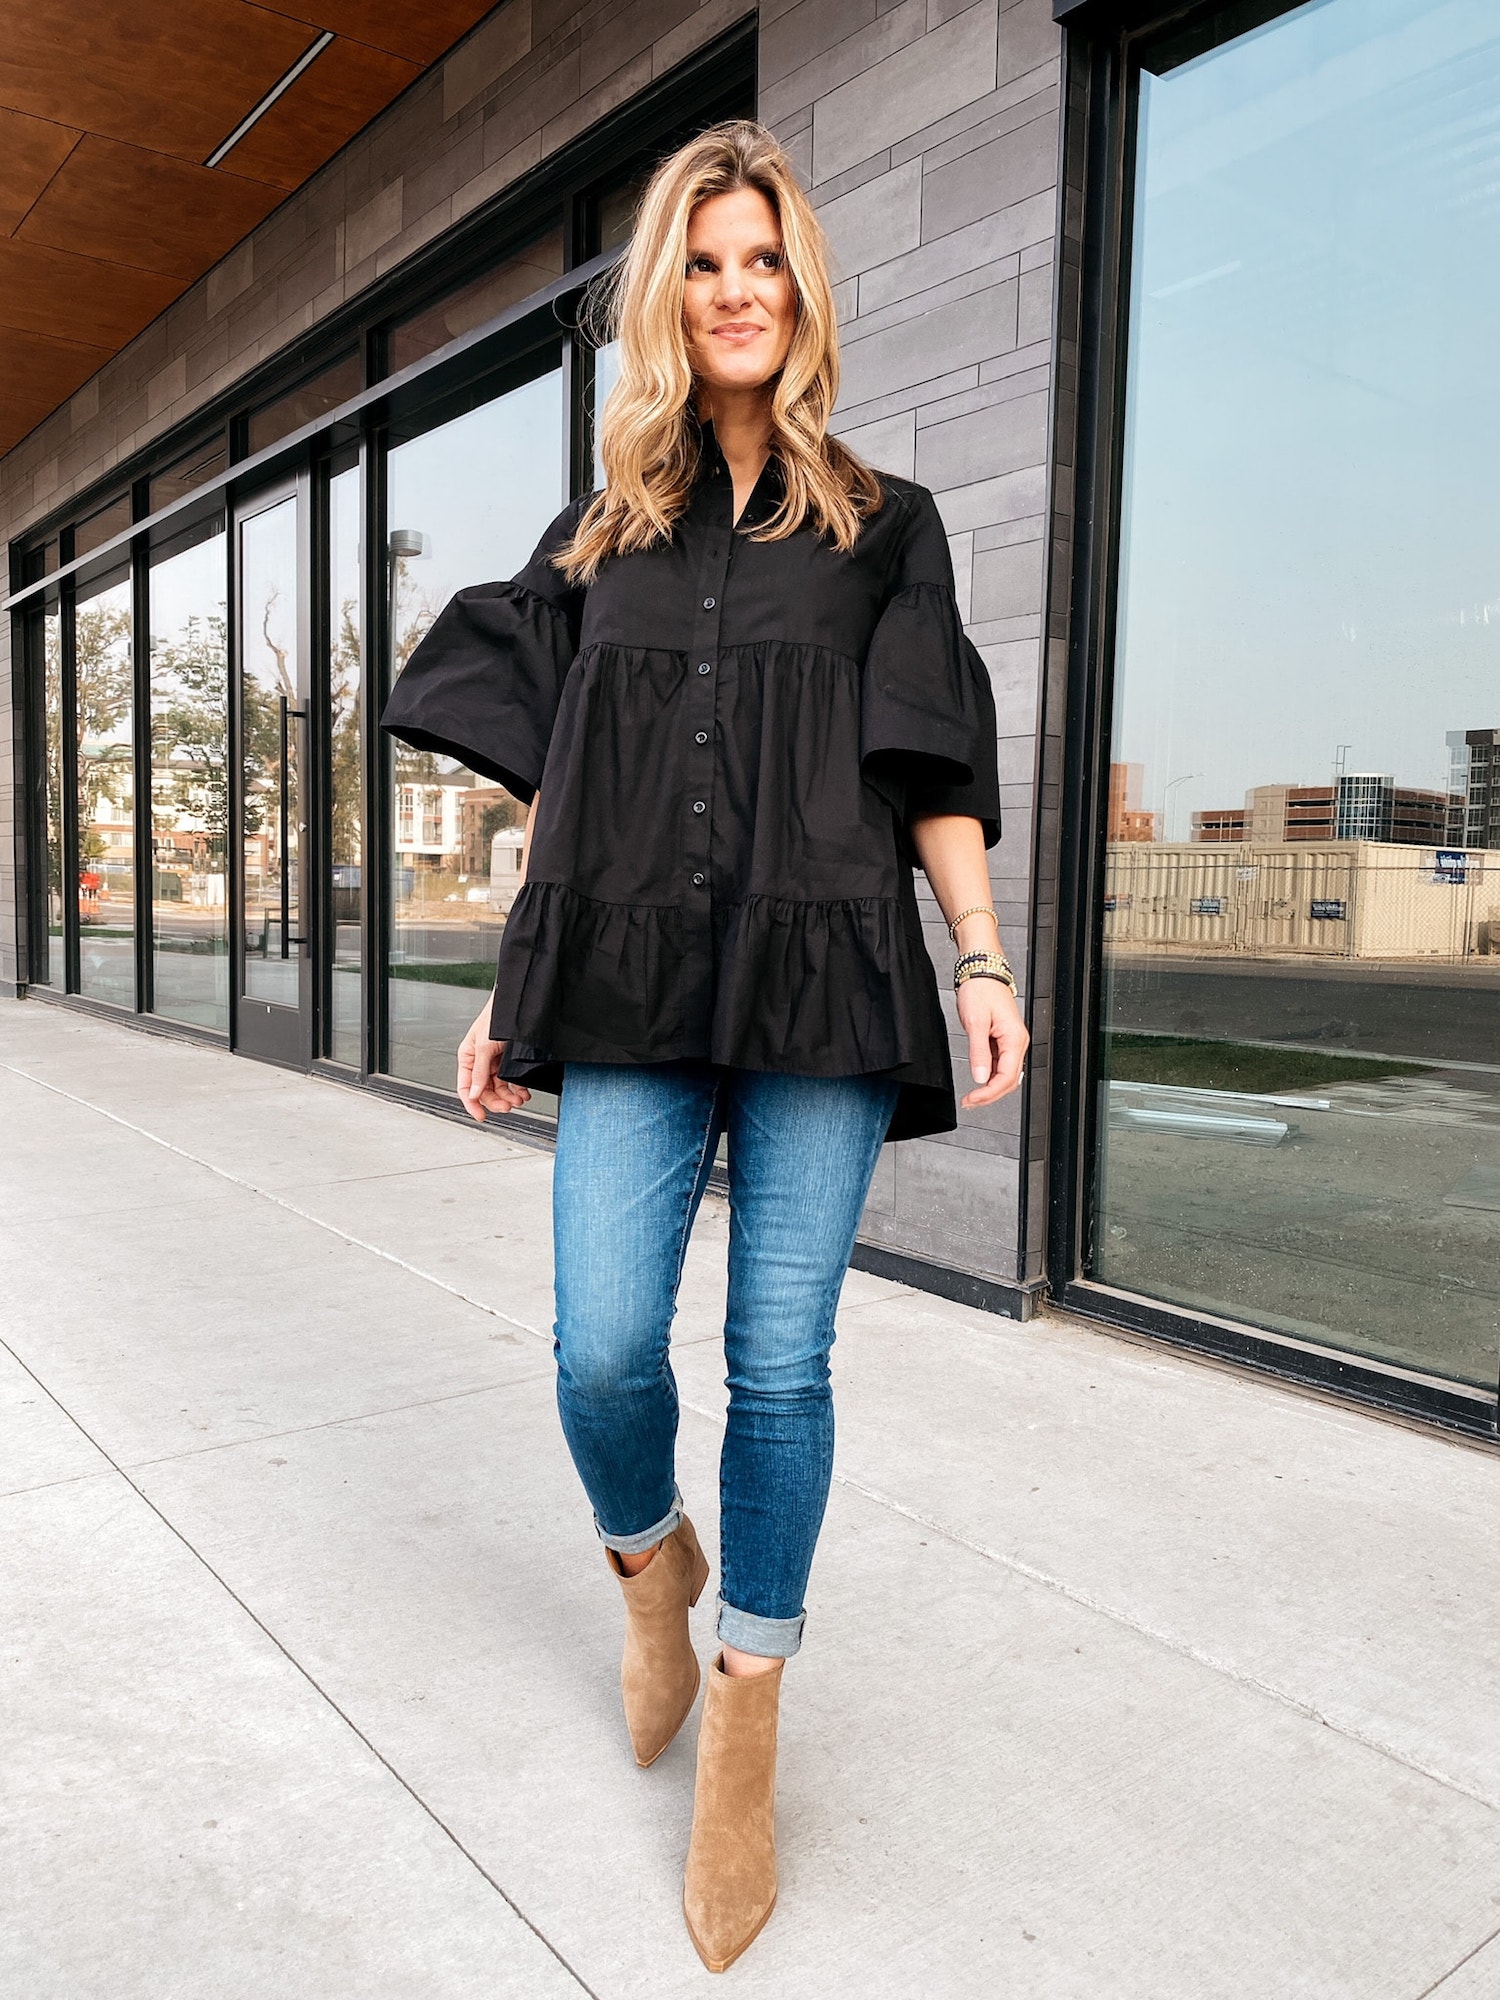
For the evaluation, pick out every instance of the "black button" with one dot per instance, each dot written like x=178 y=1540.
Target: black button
x=699 y=806
x=699 y=880
x=708 y=604
x=701 y=737
x=704 y=667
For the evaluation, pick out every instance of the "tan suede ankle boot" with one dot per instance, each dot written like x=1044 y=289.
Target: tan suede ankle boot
x=659 y=1670
x=729 y=1888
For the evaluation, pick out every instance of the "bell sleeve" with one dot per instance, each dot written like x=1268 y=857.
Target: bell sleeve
x=483 y=683
x=928 y=740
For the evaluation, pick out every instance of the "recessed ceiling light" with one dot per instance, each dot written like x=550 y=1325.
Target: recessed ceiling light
x=309 y=55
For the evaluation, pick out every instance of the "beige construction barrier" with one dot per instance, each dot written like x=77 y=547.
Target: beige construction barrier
x=1333 y=899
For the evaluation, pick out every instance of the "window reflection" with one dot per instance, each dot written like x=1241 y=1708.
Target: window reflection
x=1300 y=1095
x=483 y=299
x=468 y=502
x=106 y=795
x=346 y=821
x=606 y=374
x=189 y=782
x=616 y=208
x=189 y=473
x=314 y=399
x=49 y=966
x=102 y=527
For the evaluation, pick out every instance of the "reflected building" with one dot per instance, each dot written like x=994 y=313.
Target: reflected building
x=1357 y=806
x=1127 y=818
x=1474 y=766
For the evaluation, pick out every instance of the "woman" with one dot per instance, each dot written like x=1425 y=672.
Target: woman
x=734 y=687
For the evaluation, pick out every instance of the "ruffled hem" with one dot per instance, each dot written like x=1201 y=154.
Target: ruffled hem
x=834 y=988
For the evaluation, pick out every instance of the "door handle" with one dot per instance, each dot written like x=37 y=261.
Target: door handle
x=288 y=714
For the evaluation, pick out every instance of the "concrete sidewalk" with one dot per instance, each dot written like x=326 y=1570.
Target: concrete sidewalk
x=1125 y=1677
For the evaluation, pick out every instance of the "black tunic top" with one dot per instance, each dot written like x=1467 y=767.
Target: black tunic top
x=730 y=739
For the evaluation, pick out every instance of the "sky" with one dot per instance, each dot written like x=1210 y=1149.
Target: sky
x=1310 y=559
x=481 y=489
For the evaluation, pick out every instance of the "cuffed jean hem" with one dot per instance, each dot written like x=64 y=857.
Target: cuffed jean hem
x=771 y=1638
x=632 y=1545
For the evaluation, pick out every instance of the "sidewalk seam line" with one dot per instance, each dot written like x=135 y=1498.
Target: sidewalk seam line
x=1467 y=1957
x=329 y=1423
x=297 y=1666
x=279 y=1201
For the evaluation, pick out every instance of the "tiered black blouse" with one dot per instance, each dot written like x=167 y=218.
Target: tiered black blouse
x=730 y=739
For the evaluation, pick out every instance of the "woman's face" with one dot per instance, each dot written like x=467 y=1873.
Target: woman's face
x=738 y=307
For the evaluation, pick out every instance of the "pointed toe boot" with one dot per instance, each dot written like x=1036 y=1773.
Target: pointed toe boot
x=659 y=1672
x=729 y=1888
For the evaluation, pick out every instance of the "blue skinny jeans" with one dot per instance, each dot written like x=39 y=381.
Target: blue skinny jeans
x=634 y=1150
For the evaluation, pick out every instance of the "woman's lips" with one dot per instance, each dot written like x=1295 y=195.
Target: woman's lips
x=737 y=335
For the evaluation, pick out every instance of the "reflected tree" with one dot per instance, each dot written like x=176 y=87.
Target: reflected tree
x=344 y=669
x=104 y=688
x=189 y=733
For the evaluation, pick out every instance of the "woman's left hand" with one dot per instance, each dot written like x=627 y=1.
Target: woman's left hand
x=997 y=1039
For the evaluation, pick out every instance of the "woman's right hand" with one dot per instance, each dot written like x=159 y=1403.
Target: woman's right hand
x=480 y=1090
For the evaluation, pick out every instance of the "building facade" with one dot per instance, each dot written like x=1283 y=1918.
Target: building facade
x=1197 y=370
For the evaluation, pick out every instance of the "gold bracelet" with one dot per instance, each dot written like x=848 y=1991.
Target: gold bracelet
x=979 y=910
x=985 y=965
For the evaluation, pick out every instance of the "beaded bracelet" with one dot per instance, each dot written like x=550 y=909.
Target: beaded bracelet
x=979 y=910
x=985 y=965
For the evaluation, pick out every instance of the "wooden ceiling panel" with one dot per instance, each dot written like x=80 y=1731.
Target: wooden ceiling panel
x=174 y=75
x=419 y=33
x=108 y=109
x=38 y=372
x=43 y=290
x=31 y=151
x=333 y=99
x=124 y=204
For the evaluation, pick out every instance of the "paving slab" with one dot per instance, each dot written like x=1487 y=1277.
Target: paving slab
x=187 y=1816
x=194 y=1327
x=1350 y=1564
x=487 y=1229
x=985 y=1787
x=62 y=1161
x=273 y=1126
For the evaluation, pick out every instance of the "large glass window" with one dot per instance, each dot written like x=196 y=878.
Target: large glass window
x=190 y=780
x=346 y=795
x=105 y=708
x=49 y=963
x=467 y=502
x=1300 y=1090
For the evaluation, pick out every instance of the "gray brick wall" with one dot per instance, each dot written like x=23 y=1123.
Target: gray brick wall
x=929 y=136
x=928 y=133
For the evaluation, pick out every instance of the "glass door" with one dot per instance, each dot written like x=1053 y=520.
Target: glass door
x=274 y=972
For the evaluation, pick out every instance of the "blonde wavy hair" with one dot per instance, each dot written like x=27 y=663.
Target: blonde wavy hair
x=648 y=436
